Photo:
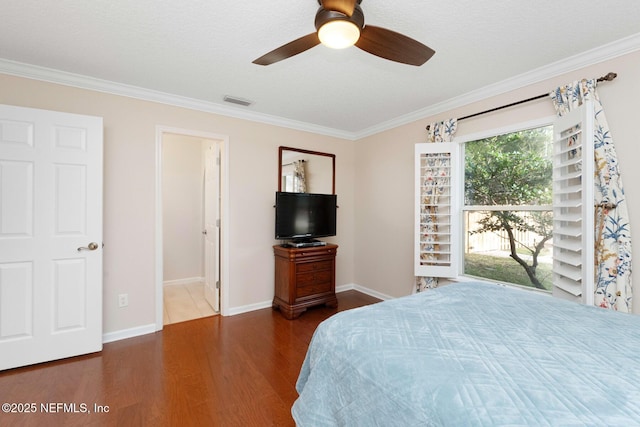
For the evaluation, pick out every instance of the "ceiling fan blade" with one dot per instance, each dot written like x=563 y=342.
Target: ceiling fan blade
x=290 y=49
x=393 y=46
x=342 y=6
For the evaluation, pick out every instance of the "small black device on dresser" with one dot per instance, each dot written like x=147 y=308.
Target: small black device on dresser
x=304 y=266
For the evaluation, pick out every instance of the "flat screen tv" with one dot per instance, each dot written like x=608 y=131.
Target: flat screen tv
x=305 y=216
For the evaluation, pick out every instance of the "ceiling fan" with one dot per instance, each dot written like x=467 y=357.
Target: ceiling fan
x=340 y=24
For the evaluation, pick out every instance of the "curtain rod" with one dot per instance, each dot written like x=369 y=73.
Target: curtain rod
x=606 y=78
x=289 y=164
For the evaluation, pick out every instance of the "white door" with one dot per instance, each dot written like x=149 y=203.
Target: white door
x=50 y=235
x=212 y=224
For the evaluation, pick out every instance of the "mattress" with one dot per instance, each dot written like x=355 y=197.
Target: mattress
x=472 y=354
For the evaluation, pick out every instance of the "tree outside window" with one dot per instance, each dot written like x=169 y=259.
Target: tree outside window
x=508 y=215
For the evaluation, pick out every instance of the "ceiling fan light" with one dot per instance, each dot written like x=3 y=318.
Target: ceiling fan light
x=339 y=34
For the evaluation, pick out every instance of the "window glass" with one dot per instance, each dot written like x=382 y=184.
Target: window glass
x=289 y=180
x=508 y=217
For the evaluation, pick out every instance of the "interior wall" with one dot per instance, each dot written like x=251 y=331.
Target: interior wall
x=376 y=240
x=182 y=207
x=385 y=215
x=129 y=193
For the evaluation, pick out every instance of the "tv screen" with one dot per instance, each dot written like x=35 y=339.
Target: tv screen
x=302 y=216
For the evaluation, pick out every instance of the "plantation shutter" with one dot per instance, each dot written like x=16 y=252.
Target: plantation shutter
x=437 y=209
x=573 y=209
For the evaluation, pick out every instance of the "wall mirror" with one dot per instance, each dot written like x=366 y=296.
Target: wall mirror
x=306 y=171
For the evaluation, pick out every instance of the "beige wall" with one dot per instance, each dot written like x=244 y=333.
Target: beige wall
x=129 y=193
x=182 y=207
x=374 y=183
x=384 y=181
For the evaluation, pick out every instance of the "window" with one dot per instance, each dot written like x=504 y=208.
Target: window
x=515 y=203
x=290 y=182
x=507 y=211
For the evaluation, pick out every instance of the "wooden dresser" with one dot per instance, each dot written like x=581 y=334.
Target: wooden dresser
x=304 y=277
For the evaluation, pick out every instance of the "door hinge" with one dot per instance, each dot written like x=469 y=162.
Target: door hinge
x=218 y=161
x=218 y=222
x=217 y=284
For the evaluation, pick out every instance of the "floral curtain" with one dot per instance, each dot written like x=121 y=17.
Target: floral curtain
x=437 y=132
x=299 y=177
x=613 y=288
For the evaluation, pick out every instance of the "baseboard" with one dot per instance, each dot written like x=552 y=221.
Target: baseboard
x=250 y=307
x=182 y=281
x=128 y=333
x=372 y=293
x=343 y=288
x=151 y=328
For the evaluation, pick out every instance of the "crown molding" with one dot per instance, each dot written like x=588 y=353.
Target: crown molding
x=50 y=75
x=594 y=56
x=600 y=54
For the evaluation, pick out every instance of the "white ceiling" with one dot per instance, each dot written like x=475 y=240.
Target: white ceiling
x=201 y=51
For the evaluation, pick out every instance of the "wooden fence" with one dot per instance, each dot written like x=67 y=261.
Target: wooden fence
x=494 y=241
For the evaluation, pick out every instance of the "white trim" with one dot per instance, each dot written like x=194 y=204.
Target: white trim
x=250 y=307
x=266 y=304
x=151 y=328
x=185 y=281
x=600 y=54
x=128 y=333
x=91 y=83
x=159 y=255
x=491 y=208
x=225 y=217
x=342 y=288
x=367 y=291
x=590 y=57
x=372 y=293
x=515 y=127
x=225 y=220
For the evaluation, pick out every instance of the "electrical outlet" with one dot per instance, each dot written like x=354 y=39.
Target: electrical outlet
x=123 y=300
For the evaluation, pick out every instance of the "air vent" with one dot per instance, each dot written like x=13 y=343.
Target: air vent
x=239 y=101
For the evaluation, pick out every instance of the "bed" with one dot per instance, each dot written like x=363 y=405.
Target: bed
x=472 y=354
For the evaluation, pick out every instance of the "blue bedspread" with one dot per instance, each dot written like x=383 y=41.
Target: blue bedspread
x=472 y=354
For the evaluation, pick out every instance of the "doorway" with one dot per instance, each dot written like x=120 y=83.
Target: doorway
x=189 y=255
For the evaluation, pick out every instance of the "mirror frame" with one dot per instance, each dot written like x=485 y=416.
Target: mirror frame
x=317 y=153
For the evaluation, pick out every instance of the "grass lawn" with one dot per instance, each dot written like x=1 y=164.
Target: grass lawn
x=504 y=269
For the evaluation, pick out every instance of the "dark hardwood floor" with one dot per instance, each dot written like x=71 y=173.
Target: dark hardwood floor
x=217 y=371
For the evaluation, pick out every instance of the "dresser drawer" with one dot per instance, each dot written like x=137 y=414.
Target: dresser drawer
x=305 y=279
x=313 y=257
x=305 y=267
x=313 y=289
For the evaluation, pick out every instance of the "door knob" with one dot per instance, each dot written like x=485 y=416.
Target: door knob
x=204 y=232
x=91 y=247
